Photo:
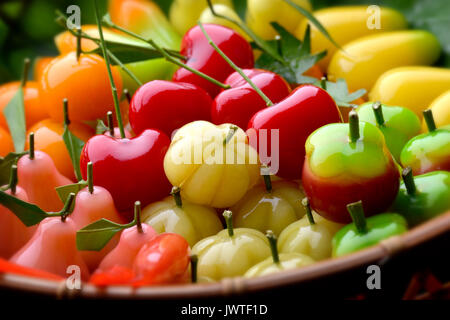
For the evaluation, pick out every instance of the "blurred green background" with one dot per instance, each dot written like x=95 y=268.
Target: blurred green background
x=27 y=27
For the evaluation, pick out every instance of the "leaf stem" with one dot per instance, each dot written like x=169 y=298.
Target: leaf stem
x=357 y=213
x=108 y=67
x=124 y=68
x=429 y=119
x=273 y=246
x=306 y=204
x=408 y=180
x=228 y=215
x=235 y=67
x=378 y=112
x=353 y=122
x=176 y=196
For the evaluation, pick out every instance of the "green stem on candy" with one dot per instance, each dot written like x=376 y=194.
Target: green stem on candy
x=65 y=211
x=279 y=46
x=235 y=67
x=429 y=119
x=176 y=196
x=31 y=142
x=26 y=68
x=137 y=216
x=228 y=215
x=194 y=264
x=230 y=134
x=78 y=43
x=124 y=68
x=127 y=95
x=110 y=123
x=273 y=246
x=353 y=122
x=108 y=67
x=323 y=83
x=66 y=112
x=357 y=213
x=168 y=56
x=408 y=180
x=13 y=179
x=306 y=204
x=378 y=112
x=267 y=179
x=90 y=179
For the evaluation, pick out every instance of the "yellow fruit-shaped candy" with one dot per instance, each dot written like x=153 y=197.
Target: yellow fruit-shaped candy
x=273 y=206
x=363 y=61
x=348 y=23
x=311 y=239
x=212 y=165
x=208 y=17
x=411 y=87
x=231 y=252
x=192 y=221
x=278 y=262
x=184 y=14
x=260 y=13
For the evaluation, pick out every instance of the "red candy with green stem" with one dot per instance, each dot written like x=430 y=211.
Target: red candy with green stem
x=130 y=169
x=238 y=104
x=346 y=163
x=201 y=56
x=167 y=106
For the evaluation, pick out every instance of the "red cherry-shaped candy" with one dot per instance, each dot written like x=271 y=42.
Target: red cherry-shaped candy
x=306 y=109
x=167 y=106
x=201 y=55
x=238 y=104
x=130 y=169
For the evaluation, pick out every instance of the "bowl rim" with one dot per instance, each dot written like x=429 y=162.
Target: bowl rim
x=238 y=285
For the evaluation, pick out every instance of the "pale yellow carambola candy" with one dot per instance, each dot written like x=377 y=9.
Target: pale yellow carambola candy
x=231 y=252
x=313 y=240
x=184 y=14
x=208 y=170
x=208 y=17
x=260 y=13
x=192 y=221
x=274 y=210
x=287 y=261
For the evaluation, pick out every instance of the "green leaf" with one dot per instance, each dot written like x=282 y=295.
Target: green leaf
x=15 y=117
x=101 y=127
x=28 y=213
x=128 y=53
x=6 y=163
x=74 y=146
x=296 y=55
x=64 y=191
x=314 y=21
x=339 y=92
x=95 y=237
